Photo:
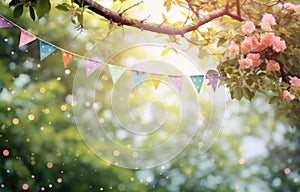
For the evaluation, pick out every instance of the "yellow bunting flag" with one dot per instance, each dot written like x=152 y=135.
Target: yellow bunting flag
x=156 y=79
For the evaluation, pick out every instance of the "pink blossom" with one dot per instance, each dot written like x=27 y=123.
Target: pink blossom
x=294 y=81
x=248 y=27
x=234 y=49
x=297 y=9
x=278 y=45
x=267 y=39
x=247 y=45
x=288 y=96
x=267 y=21
x=255 y=57
x=288 y=6
x=266 y=27
x=256 y=45
x=273 y=66
x=245 y=63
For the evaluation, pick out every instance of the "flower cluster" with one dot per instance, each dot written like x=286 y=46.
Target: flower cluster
x=254 y=44
x=260 y=46
x=290 y=6
x=295 y=84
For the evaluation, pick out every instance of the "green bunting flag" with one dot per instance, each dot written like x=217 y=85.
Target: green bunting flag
x=115 y=72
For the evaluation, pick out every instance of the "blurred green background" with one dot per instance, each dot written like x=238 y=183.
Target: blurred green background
x=255 y=150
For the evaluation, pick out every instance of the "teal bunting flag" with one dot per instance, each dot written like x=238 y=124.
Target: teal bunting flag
x=198 y=81
x=45 y=50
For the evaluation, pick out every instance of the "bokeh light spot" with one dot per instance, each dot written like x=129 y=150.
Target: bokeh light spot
x=25 y=186
x=287 y=171
x=49 y=165
x=116 y=153
x=59 y=180
x=42 y=90
x=63 y=107
x=15 y=121
x=5 y=152
x=101 y=120
x=31 y=117
x=242 y=161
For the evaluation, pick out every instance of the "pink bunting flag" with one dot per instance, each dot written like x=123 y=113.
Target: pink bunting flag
x=213 y=80
x=67 y=56
x=4 y=23
x=26 y=38
x=90 y=66
x=177 y=80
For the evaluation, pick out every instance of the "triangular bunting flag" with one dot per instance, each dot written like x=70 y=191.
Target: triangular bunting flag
x=67 y=56
x=45 y=50
x=138 y=77
x=90 y=66
x=115 y=72
x=4 y=23
x=25 y=38
x=213 y=79
x=156 y=80
x=198 y=81
x=177 y=80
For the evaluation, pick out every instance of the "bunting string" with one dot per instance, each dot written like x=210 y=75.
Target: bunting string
x=46 y=49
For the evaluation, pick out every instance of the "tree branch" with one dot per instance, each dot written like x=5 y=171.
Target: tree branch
x=154 y=27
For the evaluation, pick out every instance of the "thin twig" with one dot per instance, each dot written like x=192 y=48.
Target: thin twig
x=134 y=5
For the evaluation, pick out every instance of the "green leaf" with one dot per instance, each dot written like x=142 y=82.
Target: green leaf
x=80 y=18
x=201 y=53
x=178 y=23
x=12 y=3
x=247 y=93
x=274 y=100
x=238 y=93
x=165 y=51
x=221 y=41
x=167 y=4
x=18 y=11
x=42 y=7
x=63 y=7
x=32 y=13
x=211 y=71
x=249 y=81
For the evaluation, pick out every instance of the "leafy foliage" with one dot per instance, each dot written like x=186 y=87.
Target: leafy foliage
x=36 y=7
x=246 y=81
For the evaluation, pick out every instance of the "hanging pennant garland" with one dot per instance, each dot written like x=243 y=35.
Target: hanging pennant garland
x=91 y=65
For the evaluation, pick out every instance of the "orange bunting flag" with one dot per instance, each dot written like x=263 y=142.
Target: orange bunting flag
x=156 y=79
x=67 y=56
x=26 y=38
